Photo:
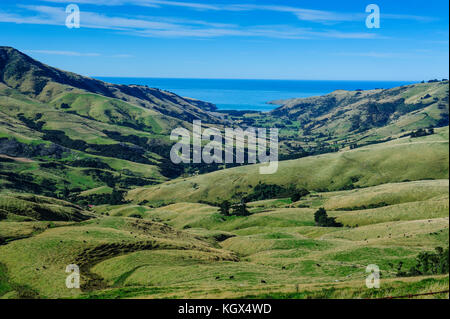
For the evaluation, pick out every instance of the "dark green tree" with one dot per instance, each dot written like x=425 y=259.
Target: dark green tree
x=429 y=263
x=241 y=209
x=299 y=194
x=321 y=218
x=225 y=207
x=116 y=197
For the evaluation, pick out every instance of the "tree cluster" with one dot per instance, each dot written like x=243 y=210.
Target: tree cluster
x=428 y=263
x=228 y=209
x=422 y=132
x=264 y=191
x=321 y=218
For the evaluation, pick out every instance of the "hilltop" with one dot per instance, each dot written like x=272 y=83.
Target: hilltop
x=44 y=83
x=346 y=111
x=71 y=133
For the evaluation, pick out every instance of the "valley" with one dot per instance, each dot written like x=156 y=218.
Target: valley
x=86 y=179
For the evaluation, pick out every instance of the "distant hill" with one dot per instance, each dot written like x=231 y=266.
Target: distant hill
x=63 y=134
x=400 y=160
x=355 y=112
x=44 y=83
x=30 y=208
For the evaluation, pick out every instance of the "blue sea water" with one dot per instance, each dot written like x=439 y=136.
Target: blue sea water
x=230 y=94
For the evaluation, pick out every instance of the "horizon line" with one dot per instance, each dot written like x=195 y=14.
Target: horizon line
x=251 y=79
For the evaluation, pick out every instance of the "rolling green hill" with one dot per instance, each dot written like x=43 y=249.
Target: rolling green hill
x=399 y=160
x=61 y=132
x=41 y=82
x=66 y=133
x=86 y=179
x=34 y=207
x=373 y=112
x=188 y=250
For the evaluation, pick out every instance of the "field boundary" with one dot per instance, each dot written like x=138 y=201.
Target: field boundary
x=417 y=295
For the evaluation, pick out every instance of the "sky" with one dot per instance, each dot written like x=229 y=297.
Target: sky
x=250 y=39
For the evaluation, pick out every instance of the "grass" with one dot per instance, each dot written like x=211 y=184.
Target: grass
x=364 y=167
x=40 y=261
x=87 y=128
x=392 y=198
x=14 y=230
x=395 y=288
x=202 y=255
x=108 y=110
x=285 y=241
x=36 y=207
x=433 y=208
x=189 y=250
x=386 y=194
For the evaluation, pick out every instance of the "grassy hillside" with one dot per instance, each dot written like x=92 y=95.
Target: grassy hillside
x=33 y=207
x=396 y=110
x=400 y=160
x=344 y=119
x=39 y=261
x=190 y=250
x=62 y=132
x=76 y=151
x=44 y=83
x=86 y=179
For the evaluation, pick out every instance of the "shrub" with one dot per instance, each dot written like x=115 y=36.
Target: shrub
x=241 y=209
x=3 y=214
x=428 y=263
x=299 y=194
x=321 y=218
x=225 y=208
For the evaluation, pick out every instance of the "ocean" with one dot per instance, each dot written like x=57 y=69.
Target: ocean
x=230 y=94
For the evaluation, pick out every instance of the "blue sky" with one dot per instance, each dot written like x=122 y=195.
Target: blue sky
x=265 y=39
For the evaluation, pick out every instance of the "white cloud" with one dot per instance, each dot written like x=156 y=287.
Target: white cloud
x=144 y=3
x=319 y=16
x=166 y=27
x=14 y=18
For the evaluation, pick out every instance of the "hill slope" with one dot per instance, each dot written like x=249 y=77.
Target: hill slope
x=373 y=112
x=399 y=160
x=90 y=144
x=64 y=133
x=44 y=83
